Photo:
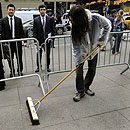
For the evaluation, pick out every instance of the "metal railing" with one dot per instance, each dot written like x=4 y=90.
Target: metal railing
x=62 y=60
x=29 y=53
x=61 y=57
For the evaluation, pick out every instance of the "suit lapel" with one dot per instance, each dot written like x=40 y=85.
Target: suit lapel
x=7 y=22
x=39 y=21
x=46 y=22
x=15 y=24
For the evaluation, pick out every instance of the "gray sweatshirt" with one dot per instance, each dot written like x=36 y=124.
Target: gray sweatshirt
x=100 y=28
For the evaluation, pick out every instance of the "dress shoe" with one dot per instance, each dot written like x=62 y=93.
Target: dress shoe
x=37 y=70
x=78 y=97
x=20 y=74
x=2 y=88
x=89 y=92
x=48 y=70
x=12 y=75
x=2 y=85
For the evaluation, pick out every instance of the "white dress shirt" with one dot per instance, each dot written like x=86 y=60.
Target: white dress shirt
x=13 y=22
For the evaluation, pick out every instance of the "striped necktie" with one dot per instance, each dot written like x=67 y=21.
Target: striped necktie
x=43 y=24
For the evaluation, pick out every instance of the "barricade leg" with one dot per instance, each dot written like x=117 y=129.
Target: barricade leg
x=128 y=67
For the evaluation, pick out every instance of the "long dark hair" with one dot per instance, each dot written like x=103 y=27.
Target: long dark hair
x=80 y=23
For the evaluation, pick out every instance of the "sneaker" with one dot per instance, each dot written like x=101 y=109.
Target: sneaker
x=117 y=53
x=103 y=49
x=78 y=97
x=90 y=92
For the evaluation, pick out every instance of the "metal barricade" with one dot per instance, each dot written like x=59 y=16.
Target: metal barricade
x=60 y=57
x=106 y=58
x=62 y=60
x=29 y=52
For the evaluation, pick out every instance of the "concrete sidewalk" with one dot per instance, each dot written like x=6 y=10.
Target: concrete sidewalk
x=109 y=109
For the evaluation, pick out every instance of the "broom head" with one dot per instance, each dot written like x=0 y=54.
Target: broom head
x=32 y=111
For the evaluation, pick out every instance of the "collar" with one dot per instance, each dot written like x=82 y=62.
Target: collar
x=43 y=17
x=10 y=17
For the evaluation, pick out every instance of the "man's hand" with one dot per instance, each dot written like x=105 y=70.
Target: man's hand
x=25 y=44
x=50 y=40
x=35 y=43
x=100 y=43
x=81 y=64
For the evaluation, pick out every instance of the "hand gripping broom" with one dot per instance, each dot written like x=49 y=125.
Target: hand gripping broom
x=32 y=107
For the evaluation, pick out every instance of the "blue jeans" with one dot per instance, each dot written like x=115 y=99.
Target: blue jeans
x=84 y=84
x=117 y=42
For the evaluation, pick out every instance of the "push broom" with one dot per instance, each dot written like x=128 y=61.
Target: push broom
x=32 y=107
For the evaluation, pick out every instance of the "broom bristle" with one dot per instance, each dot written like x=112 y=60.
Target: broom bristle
x=32 y=111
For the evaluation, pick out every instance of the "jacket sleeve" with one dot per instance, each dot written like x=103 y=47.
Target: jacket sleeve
x=21 y=26
x=76 y=52
x=106 y=25
x=34 y=29
x=53 y=28
x=2 y=29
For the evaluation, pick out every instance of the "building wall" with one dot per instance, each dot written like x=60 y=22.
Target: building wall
x=27 y=4
x=19 y=4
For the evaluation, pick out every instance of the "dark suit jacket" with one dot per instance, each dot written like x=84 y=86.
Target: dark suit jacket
x=1 y=70
x=6 y=32
x=1 y=64
x=0 y=39
x=6 y=35
x=38 y=29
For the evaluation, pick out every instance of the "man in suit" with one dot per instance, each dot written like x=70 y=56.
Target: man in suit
x=43 y=26
x=2 y=84
x=12 y=29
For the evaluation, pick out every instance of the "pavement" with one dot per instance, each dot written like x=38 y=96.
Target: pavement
x=109 y=109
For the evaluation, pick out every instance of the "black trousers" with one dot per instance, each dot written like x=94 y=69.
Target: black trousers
x=48 y=55
x=84 y=84
x=17 y=50
x=2 y=84
x=117 y=43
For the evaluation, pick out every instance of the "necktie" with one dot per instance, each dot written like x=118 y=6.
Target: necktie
x=43 y=24
x=11 y=26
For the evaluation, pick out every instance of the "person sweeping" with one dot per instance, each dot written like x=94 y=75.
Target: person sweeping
x=86 y=35
x=82 y=50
